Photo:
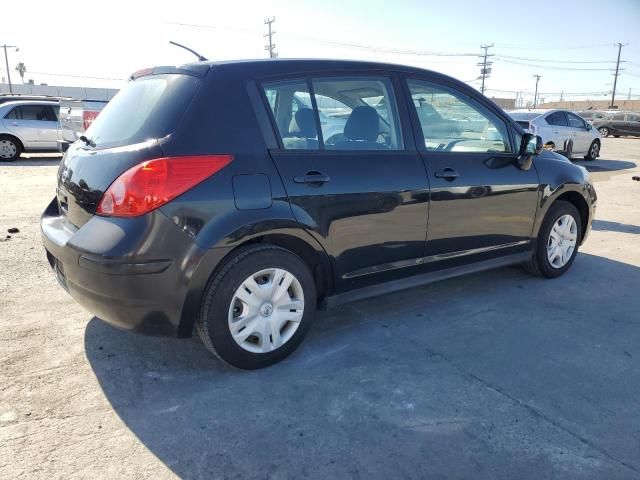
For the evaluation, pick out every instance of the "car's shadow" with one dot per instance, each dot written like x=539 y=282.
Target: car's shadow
x=605 y=165
x=421 y=383
x=607 y=226
x=35 y=161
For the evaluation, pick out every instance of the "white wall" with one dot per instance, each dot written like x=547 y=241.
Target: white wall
x=79 y=93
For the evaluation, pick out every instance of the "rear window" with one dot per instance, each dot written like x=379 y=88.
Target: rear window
x=144 y=109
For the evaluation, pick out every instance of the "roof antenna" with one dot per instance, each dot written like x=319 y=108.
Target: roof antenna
x=200 y=57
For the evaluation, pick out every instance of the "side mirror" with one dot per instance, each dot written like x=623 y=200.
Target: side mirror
x=589 y=126
x=531 y=145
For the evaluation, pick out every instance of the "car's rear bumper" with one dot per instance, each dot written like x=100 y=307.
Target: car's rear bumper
x=133 y=273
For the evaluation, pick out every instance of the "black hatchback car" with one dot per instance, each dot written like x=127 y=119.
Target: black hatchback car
x=236 y=198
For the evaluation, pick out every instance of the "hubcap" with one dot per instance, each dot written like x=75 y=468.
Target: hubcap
x=7 y=149
x=595 y=149
x=266 y=310
x=562 y=241
x=604 y=132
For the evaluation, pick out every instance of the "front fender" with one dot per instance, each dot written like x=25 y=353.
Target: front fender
x=558 y=176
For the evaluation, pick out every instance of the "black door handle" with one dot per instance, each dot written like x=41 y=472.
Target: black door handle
x=312 y=178
x=447 y=174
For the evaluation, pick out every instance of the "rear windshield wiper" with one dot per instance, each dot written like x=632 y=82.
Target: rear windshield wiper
x=87 y=141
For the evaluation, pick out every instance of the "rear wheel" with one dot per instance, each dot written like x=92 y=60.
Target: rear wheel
x=558 y=241
x=10 y=148
x=594 y=151
x=258 y=307
x=604 y=131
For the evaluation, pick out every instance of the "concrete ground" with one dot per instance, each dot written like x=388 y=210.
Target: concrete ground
x=495 y=375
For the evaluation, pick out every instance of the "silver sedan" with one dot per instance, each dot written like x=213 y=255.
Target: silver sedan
x=28 y=126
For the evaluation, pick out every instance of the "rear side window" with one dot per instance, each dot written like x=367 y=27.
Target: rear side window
x=357 y=113
x=292 y=110
x=45 y=113
x=353 y=113
x=452 y=122
x=144 y=109
x=618 y=117
x=557 y=119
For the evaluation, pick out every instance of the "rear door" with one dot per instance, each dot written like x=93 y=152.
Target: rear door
x=482 y=204
x=580 y=133
x=352 y=174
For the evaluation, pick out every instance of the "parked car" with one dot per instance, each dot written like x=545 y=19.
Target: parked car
x=241 y=221
x=594 y=115
x=561 y=131
x=75 y=117
x=28 y=126
x=619 y=124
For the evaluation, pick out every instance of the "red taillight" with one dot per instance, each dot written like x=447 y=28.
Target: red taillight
x=151 y=184
x=88 y=116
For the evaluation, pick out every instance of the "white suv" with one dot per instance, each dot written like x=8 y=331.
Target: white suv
x=561 y=131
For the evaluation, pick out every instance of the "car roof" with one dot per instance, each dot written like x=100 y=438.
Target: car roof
x=28 y=102
x=266 y=67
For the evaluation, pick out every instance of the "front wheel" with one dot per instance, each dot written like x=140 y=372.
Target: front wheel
x=258 y=307
x=558 y=241
x=604 y=131
x=594 y=151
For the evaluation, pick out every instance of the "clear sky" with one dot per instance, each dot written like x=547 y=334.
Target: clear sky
x=569 y=42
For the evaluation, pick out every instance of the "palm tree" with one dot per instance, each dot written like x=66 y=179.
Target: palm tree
x=22 y=69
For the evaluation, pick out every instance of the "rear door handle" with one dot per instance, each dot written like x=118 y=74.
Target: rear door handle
x=447 y=174
x=313 y=177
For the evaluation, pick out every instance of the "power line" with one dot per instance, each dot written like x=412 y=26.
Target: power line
x=551 y=67
x=554 y=61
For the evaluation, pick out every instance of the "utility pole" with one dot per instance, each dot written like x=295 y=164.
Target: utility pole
x=561 y=95
x=485 y=71
x=6 y=62
x=271 y=48
x=629 y=96
x=535 y=95
x=615 y=75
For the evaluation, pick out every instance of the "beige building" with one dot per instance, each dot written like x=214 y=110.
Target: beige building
x=580 y=105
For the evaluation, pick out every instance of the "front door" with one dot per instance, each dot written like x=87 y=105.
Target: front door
x=482 y=204
x=352 y=180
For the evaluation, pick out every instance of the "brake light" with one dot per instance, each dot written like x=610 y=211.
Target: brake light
x=153 y=183
x=88 y=116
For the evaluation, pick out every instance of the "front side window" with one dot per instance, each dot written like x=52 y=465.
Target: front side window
x=618 y=117
x=292 y=110
x=575 y=121
x=452 y=122
x=557 y=119
x=357 y=113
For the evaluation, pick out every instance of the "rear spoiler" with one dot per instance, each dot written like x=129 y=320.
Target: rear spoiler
x=198 y=70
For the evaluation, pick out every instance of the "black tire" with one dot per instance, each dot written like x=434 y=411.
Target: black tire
x=539 y=264
x=212 y=324
x=594 y=151
x=604 y=131
x=616 y=136
x=14 y=144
